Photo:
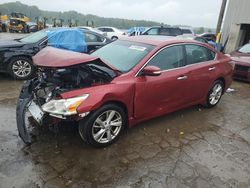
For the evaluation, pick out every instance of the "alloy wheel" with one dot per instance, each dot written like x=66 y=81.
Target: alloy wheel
x=216 y=94
x=107 y=126
x=21 y=68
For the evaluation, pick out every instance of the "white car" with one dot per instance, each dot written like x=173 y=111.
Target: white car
x=92 y=29
x=187 y=31
x=112 y=32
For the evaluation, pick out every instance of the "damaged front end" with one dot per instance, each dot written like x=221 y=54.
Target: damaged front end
x=40 y=101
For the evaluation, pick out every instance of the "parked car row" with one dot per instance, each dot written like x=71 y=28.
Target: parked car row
x=241 y=59
x=16 y=55
x=114 y=33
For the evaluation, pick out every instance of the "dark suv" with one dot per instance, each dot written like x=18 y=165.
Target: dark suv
x=161 y=30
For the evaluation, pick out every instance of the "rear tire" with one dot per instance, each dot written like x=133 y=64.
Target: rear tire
x=215 y=93
x=103 y=126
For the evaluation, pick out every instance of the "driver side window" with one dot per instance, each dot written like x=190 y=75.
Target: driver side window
x=153 y=31
x=168 y=58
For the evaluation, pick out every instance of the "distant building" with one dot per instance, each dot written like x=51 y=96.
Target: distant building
x=236 y=25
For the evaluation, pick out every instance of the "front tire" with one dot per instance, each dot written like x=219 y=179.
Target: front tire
x=215 y=94
x=21 y=68
x=103 y=126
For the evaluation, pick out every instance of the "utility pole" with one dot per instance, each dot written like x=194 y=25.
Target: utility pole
x=222 y=11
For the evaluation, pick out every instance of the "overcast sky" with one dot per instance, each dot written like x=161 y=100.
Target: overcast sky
x=186 y=12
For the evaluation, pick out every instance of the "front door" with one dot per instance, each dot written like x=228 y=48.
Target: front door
x=156 y=95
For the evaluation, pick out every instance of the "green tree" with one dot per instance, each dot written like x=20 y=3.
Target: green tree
x=33 y=11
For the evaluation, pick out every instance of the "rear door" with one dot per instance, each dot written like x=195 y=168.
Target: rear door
x=156 y=95
x=201 y=67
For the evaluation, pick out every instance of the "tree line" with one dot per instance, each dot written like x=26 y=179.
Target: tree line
x=33 y=12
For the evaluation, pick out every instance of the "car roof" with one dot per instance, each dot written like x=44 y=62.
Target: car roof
x=159 y=26
x=73 y=28
x=158 y=40
x=106 y=27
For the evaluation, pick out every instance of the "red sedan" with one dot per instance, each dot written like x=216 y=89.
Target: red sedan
x=121 y=84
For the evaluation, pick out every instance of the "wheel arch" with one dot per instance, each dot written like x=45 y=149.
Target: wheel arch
x=22 y=55
x=120 y=104
x=223 y=81
x=114 y=37
x=11 y=58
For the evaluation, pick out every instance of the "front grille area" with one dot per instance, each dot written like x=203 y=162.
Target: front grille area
x=241 y=68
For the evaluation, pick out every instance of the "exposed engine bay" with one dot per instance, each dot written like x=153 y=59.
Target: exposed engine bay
x=40 y=97
x=51 y=82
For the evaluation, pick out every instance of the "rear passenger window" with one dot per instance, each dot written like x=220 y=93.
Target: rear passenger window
x=101 y=29
x=164 y=31
x=175 y=32
x=109 y=30
x=197 y=54
x=169 y=58
x=153 y=31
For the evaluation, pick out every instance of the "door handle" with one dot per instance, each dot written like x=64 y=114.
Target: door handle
x=212 y=68
x=182 y=78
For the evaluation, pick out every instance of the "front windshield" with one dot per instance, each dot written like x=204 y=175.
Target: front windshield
x=35 y=37
x=123 y=55
x=245 y=49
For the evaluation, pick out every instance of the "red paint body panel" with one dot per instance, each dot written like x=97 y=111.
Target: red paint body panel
x=146 y=97
x=122 y=92
x=54 y=57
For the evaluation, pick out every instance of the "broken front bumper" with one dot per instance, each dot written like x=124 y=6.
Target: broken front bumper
x=25 y=103
x=24 y=99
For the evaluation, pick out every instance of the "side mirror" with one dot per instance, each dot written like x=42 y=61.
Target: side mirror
x=151 y=71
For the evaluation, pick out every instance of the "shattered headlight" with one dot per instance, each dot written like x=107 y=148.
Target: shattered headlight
x=65 y=107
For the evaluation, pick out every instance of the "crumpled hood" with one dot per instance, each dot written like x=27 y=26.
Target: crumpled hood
x=58 y=58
